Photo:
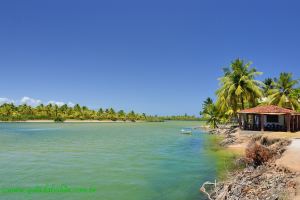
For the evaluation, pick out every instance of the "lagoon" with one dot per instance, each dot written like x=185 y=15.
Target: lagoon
x=125 y=161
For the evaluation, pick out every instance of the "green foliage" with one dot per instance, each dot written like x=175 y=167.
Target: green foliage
x=238 y=88
x=211 y=113
x=208 y=101
x=155 y=119
x=181 y=118
x=268 y=85
x=10 y=112
x=59 y=119
x=284 y=92
x=225 y=158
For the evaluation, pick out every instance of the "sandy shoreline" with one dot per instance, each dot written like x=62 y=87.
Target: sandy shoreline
x=69 y=121
x=243 y=138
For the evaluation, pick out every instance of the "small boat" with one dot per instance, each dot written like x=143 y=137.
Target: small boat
x=186 y=131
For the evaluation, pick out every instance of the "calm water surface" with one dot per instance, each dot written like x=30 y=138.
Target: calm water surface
x=122 y=161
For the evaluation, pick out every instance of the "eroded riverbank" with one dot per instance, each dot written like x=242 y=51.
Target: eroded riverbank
x=266 y=180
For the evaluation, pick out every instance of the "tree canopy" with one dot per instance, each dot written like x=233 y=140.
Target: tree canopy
x=11 y=112
x=239 y=89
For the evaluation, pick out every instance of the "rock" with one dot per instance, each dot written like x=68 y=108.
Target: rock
x=267 y=181
x=227 y=141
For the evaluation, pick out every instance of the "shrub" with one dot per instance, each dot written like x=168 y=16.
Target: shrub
x=257 y=154
x=59 y=119
x=113 y=119
x=268 y=141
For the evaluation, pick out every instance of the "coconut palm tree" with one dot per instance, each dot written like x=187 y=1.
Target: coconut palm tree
x=10 y=112
x=238 y=87
x=268 y=85
x=131 y=116
x=122 y=115
x=283 y=93
x=208 y=101
x=212 y=115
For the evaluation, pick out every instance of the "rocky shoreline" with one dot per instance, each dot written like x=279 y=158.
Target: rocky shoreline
x=261 y=178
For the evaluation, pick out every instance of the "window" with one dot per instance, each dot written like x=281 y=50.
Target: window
x=272 y=118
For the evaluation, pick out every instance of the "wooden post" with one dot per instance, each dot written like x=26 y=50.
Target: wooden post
x=262 y=122
x=246 y=121
x=297 y=122
x=294 y=123
x=288 y=122
x=240 y=120
x=253 y=121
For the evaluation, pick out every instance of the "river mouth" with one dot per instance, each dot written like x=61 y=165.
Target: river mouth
x=106 y=161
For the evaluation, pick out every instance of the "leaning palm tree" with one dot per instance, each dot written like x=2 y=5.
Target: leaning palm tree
x=283 y=93
x=238 y=87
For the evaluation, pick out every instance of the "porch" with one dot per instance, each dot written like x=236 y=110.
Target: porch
x=269 y=118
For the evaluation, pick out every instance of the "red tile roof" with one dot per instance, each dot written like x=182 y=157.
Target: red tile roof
x=268 y=109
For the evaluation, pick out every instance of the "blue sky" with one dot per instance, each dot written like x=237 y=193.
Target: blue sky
x=158 y=57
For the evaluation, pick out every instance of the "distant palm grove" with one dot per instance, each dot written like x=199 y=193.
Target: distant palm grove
x=11 y=112
x=239 y=89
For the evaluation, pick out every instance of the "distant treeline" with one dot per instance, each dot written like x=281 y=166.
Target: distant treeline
x=11 y=112
x=182 y=118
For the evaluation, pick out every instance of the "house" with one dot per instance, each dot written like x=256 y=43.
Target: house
x=269 y=118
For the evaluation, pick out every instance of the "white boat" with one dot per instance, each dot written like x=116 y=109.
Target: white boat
x=186 y=131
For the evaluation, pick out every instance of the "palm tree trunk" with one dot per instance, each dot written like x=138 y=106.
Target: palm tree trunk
x=242 y=100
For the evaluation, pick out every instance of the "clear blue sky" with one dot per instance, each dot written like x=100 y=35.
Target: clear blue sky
x=158 y=56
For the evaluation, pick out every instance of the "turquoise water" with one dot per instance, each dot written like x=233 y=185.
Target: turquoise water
x=118 y=160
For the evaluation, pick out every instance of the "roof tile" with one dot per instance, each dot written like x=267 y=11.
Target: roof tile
x=268 y=109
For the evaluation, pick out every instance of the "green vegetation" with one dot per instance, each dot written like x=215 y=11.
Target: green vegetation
x=211 y=113
x=239 y=89
x=11 y=112
x=181 y=118
x=59 y=119
x=284 y=93
x=225 y=158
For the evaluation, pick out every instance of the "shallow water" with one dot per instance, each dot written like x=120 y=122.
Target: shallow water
x=118 y=160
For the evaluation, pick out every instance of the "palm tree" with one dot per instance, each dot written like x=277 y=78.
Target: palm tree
x=49 y=110
x=56 y=110
x=268 y=85
x=208 y=101
x=296 y=95
x=131 y=116
x=7 y=109
x=100 y=114
x=283 y=93
x=64 y=109
x=60 y=113
x=212 y=115
x=238 y=87
x=122 y=115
